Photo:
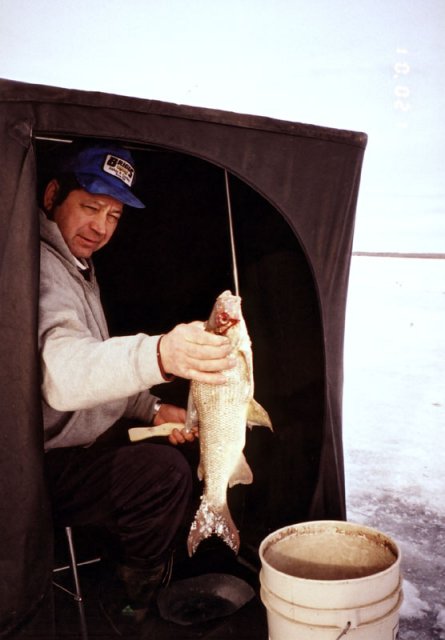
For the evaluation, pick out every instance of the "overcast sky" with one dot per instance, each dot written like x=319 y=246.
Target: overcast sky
x=376 y=66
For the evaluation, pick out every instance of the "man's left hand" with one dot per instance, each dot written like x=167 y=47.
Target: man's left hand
x=172 y=413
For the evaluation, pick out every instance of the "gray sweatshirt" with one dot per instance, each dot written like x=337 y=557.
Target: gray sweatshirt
x=89 y=380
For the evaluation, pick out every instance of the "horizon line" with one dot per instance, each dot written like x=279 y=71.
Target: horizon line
x=395 y=254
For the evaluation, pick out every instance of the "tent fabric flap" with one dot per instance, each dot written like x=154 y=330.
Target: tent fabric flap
x=26 y=549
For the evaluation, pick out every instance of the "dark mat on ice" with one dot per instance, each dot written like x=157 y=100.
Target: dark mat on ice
x=202 y=598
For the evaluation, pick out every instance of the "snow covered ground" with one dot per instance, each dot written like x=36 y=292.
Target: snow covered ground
x=394 y=423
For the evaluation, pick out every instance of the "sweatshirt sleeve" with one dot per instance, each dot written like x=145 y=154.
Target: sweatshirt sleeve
x=81 y=366
x=141 y=406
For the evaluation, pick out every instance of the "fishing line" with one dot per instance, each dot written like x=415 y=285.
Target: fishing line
x=232 y=235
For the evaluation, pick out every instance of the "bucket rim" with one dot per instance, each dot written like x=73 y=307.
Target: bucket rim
x=267 y=541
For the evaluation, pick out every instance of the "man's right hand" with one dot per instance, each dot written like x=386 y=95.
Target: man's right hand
x=190 y=352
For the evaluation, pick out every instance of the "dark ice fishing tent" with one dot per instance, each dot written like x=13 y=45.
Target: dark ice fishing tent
x=292 y=192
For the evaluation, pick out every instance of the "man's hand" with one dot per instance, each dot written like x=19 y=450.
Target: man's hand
x=171 y=413
x=190 y=352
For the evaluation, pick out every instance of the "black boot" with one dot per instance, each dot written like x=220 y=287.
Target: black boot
x=142 y=584
x=131 y=598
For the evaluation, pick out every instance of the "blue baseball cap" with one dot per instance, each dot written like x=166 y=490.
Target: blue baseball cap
x=106 y=169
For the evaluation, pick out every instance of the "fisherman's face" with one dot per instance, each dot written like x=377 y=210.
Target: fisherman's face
x=86 y=221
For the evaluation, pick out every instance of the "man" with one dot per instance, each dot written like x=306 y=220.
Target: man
x=91 y=382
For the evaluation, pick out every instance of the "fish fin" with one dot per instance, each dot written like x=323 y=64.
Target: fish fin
x=242 y=474
x=210 y=521
x=257 y=416
x=191 y=420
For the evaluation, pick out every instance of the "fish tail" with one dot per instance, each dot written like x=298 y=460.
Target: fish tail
x=210 y=520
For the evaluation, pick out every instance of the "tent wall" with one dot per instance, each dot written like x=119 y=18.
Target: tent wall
x=26 y=551
x=294 y=190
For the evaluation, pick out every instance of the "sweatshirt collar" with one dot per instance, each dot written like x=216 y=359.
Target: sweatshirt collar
x=50 y=233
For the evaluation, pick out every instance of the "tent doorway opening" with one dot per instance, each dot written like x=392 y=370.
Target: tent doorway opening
x=167 y=263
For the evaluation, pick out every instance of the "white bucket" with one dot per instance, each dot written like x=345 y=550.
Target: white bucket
x=330 y=580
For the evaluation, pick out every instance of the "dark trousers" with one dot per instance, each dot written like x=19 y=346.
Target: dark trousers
x=139 y=492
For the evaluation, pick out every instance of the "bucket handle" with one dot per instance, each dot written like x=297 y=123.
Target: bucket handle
x=345 y=631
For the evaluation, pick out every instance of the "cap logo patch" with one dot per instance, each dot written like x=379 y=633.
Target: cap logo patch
x=119 y=168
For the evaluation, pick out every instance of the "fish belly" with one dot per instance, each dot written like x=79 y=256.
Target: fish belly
x=222 y=413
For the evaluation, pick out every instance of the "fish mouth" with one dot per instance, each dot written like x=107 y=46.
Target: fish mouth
x=226 y=313
x=224 y=323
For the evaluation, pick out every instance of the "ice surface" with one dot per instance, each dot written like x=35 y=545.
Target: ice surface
x=413 y=606
x=394 y=422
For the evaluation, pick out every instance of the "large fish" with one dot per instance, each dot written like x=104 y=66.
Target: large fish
x=222 y=412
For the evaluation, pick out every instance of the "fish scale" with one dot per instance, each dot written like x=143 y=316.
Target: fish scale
x=222 y=414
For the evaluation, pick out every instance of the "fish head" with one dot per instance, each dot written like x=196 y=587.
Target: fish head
x=226 y=313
